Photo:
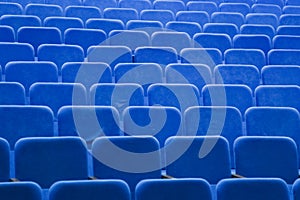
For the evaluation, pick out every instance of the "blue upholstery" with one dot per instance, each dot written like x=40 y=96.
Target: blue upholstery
x=289 y=19
x=144 y=74
x=249 y=2
x=47 y=160
x=228 y=17
x=281 y=75
x=267 y=8
x=217 y=2
x=199 y=17
x=13 y=93
x=292 y=2
x=280 y=3
x=265 y=157
x=60 y=54
x=124 y=14
x=174 y=6
x=160 y=122
x=286 y=42
x=163 y=16
x=212 y=40
x=296 y=190
x=7 y=34
x=291 y=10
x=252 y=188
x=278 y=96
x=175 y=189
x=10 y=8
x=190 y=28
x=207 y=6
x=252 y=41
x=198 y=157
x=262 y=18
x=50 y=94
x=92 y=189
x=20 y=190
x=237 y=74
x=100 y=4
x=83 y=12
x=5 y=160
x=144 y=25
x=17 y=21
x=106 y=25
x=64 y=3
x=258 y=29
x=242 y=8
x=32 y=121
x=84 y=37
x=139 y=5
x=291 y=57
x=254 y=57
x=288 y=30
x=239 y=96
x=167 y=94
x=43 y=10
x=30 y=72
x=226 y=28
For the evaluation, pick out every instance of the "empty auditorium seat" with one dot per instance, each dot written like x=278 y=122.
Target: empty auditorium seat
x=10 y=8
x=143 y=74
x=20 y=190
x=278 y=96
x=94 y=189
x=206 y=6
x=225 y=28
x=204 y=157
x=291 y=57
x=83 y=12
x=212 y=40
x=13 y=93
x=280 y=3
x=30 y=72
x=64 y=3
x=267 y=8
x=258 y=29
x=138 y=5
x=163 y=16
x=100 y=4
x=175 y=189
x=252 y=41
x=31 y=121
x=289 y=19
x=242 y=8
x=239 y=96
x=7 y=34
x=124 y=14
x=190 y=28
x=228 y=17
x=17 y=21
x=199 y=17
x=43 y=10
x=281 y=75
x=217 y=1
x=106 y=25
x=262 y=18
x=47 y=160
x=145 y=25
x=50 y=94
x=266 y=157
x=252 y=188
x=286 y=42
x=288 y=30
x=174 y=6
x=237 y=74
x=5 y=161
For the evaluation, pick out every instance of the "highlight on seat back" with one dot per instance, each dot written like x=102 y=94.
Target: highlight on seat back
x=176 y=189
x=5 y=160
x=43 y=10
x=13 y=93
x=93 y=189
x=83 y=12
x=266 y=156
x=20 y=190
x=281 y=75
x=100 y=4
x=47 y=160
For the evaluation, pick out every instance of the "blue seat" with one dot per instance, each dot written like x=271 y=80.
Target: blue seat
x=39 y=35
x=129 y=38
x=280 y=75
x=160 y=122
x=291 y=57
x=217 y=2
x=278 y=96
x=23 y=3
x=225 y=28
x=208 y=157
x=286 y=42
x=212 y=40
x=175 y=189
x=295 y=190
x=279 y=3
x=262 y=18
x=289 y=19
x=163 y=16
x=239 y=96
x=100 y=4
x=242 y=8
x=252 y=188
x=88 y=122
x=119 y=95
x=138 y=5
x=50 y=94
x=249 y=2
x=237 y=74
x=43 y=10
x=225 y=121
x=83 y=12
x=200 y=17
x=111 y=55
x=130 y=158
x=95 y=189
x=263 y=157
x=7 y=34
x=47 y=160
x=32 y=121
x=64 y=3
x=10 y=8
x=291 y=10
x=206 y=6
x=84 y=37
x=18 y=21
x=20 y=190
x=175 y=95
x=5 y=161
x=252 y=41
x=190 y=28
x=196 y=74
x=288 y=30
x=254 y=57
x=13 y=93
x=292 y=2
x=30 y=72
x=60 y=54
x=174 y=6
x=228 y=17
x=124 y=14
x=267 y=8
x=258 y=29
x=208 y=56
x=107 y=25
x=143 y=74
x=144 y=25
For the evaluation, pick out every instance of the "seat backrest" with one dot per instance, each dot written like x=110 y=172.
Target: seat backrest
x=101 y=4
x=200 y=17
x=286 y=42
x=64 y=3
x=228 y=17
x=252 y=41
x=289 y=19
x=7 y=34
x=174 y=6
x=163 y=16
x=105 y=25
x=207 y=6
x=190 y=28
x=242 y=8
x=267 y=8
x=124 y=14
x=20 y=190
x=291 y=10
x=225 y=28
x=281 y=75
x=10 y=8
x=83 y=12
x=288 y=30
x=18 y=21
x=262 y=18
x=144 y=25
x=13 y=93
x=212 y=40
x=138 y=5
x=291 y=57
x=258 y=29
x=43 y=10
x=5 y=160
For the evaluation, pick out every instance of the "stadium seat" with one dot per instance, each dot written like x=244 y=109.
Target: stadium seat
x=101 y=4
x=138 y=5
x=237 y=74
x=145 y=25
x=50 y=94
x=7 y=34
x=212 y=40
x=30 y=72
x=175 y=189
x=286 y=42
x=83 y=12
x=93 y=189
x=31 y=121
x=242 y=8
x=266 y=157
x=295 y=190
x=228 y=17
x=291 y=10
x=206 y=6
x=253 y=188
x=292 y=2
x=291 y=57
x=5 y=161
x=249 y=2
x=281 y=75
x=174 y=6
x=239 y=96
x=20 y=190
x=288 y=30
x=225 y=28
x=199 y=17
x=44 y=10
x=13 y=93
x=280 y=3
x=47 y=160
x=106 y=25
x=267 y=8
x=175 y=95
x=289 y=19
x=190 y=28
x=204 y=157
x=252 y=41
x=18 y=21
x=217 y=1
x=262 y=18
x=64 y=3
x=278 y=96
x=258 y=29
x=163 y=16
x=10 y=8
x=124 y=14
